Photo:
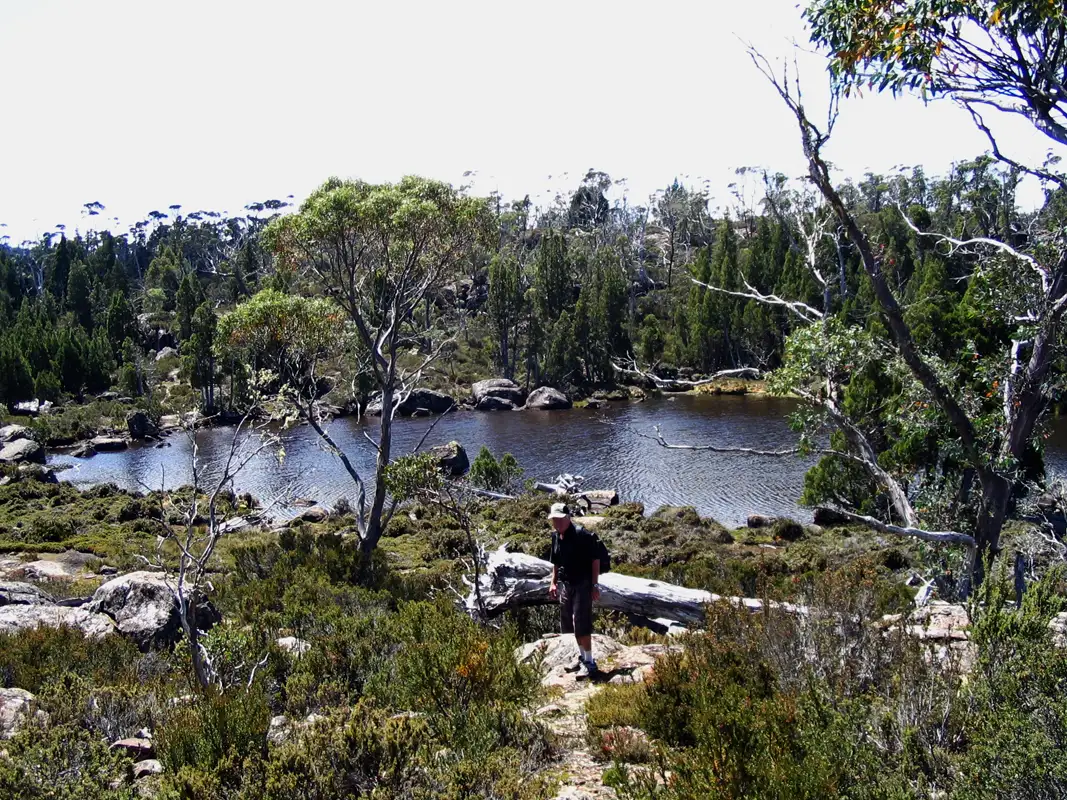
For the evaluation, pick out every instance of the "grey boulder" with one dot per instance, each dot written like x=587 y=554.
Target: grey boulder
x=547 y=399
x=140 y=425
x=145 y=609
x=499 y=388
x=452 y=458
x=16 y=593
x=9 y=433
x=21 y=618
x=18 y=451
x=16 y=705
x=495 y=404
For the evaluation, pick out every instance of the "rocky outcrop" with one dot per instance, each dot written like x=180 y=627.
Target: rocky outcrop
x=16 y=707
x=618 y=663
x=144 y=608
x=495 y=404
x=452 y=458
x=16 y=593
x=428 y=399
x=108 y=444
x=136 y=747
x=315 y=514
x=140 y=425
x=19 y=451
x=10 y=433
x=20 y=618
x=293 y=646
x=547 y=399
x=36 y=472
x=419 y=402
x=166 y=352
x=496 y=394
x=596 y=501
x=146 y=768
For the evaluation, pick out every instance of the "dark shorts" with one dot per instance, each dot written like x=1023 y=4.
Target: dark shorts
x=576 y=608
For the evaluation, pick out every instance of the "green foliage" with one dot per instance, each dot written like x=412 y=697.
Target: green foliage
x=213 y=727
x=284 y=334
x=497 y=476
x=66 y=762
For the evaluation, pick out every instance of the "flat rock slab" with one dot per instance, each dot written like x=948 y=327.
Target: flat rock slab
x=618 y=663
x=10 y=433
x=16 y=593
x=108 y=444
x=20 y=618
x=136 y=748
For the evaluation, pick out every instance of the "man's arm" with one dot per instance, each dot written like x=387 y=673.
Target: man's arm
x=552 y=586
x=596 y=578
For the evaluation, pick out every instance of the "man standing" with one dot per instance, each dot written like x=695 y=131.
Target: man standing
x=575 y=580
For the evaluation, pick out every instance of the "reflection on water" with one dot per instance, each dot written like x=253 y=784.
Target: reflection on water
x=727 y=487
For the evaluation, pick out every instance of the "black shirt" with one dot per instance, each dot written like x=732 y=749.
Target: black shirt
x=574 y=554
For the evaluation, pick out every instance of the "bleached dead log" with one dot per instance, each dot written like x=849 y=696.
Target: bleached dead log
x=565 y=484
x=517 y=580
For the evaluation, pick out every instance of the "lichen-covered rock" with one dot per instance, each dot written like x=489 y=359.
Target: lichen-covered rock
x=16 y=593
x=597 y=500
x=293 y=646
x=16 y=706
x=37 y=472
x=140 y=425
x=9 y=433
x=146 y=768
x=452 y=458
x=500 y=389
x=547 y=399
x=166 y=352
x=18 y=451
x=145 y=609
x=20 y=618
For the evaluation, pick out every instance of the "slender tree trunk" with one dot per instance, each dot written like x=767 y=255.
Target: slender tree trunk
x=374 y=520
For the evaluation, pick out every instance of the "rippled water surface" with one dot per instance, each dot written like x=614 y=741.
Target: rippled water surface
x=600 y=445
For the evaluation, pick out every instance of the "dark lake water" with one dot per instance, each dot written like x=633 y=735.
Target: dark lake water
x=599 y=445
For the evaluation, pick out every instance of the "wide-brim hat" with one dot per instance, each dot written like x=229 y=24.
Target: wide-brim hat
x=559 y=511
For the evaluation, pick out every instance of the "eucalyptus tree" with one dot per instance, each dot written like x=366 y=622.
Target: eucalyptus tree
x=378 y=251
x=1005 y=55
x=982 y=410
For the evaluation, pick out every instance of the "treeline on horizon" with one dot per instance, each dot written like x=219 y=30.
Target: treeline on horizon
x=568 y=296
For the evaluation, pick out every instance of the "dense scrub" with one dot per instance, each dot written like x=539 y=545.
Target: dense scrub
x=395 y=694
x=835 y=706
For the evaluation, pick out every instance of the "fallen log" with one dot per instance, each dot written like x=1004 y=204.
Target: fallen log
x=515 y=580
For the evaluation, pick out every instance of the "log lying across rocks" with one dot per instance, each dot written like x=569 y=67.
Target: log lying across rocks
x=516 y=580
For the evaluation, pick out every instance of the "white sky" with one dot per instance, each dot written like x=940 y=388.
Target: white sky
x=140 y=104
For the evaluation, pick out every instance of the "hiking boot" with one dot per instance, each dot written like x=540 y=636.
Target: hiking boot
x=577 y=665
x=586 y=670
